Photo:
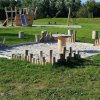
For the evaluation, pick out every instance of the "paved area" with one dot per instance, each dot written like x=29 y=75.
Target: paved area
x=59 y=26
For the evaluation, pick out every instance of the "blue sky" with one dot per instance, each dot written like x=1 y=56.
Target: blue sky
x=86 y=0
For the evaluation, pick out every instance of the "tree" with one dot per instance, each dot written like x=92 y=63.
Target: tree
x=61 y=8
x=90 y=4
x=83 y=12
x=97 y=9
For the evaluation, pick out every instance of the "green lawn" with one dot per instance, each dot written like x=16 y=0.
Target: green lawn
x=24 y=81
x=21 y=80
x=83 y=34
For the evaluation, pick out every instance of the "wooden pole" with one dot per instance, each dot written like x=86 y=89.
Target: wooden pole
x=31 y=56
x=54 y=60
x=37 y=38
x=70 y=52
x=11 y=17
x=41 y=54
x=68 y=17
x=64 y=51
x=13 y=56
x=51 y=56
x=26 y=54
x=44 y=61
x=6 y=14
x=33 y=60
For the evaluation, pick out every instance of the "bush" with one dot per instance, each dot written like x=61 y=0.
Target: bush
x=2 y=14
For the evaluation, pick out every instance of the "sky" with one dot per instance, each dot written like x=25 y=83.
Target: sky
x=86 y=0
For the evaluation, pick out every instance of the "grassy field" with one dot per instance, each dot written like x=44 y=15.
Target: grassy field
x=23 y=81
x=83 y=34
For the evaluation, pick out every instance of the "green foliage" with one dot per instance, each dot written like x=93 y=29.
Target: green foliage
x=55 y=8
x=83 y=12
x=9 y=3
x=97 y=9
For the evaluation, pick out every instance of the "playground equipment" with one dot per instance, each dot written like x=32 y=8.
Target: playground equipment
x=22 y=16
x=64 y=57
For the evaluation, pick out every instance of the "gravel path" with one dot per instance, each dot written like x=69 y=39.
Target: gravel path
x=86 y=49
x=54 y=26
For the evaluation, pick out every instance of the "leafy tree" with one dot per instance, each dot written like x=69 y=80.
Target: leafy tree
x=90 y=4
x=97 y=9
x=83 y=12
x=74 y=5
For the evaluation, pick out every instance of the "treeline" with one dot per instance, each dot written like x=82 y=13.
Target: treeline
x=55 y=8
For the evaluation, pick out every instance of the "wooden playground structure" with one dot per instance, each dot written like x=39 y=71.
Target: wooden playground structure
x=21 y=16
x=61 y=45
x=41 y=60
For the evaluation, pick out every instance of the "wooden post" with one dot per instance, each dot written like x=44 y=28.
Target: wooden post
x=68 y=17
x=61 y=43
x=11 y=17
x=26 y=52
x=33 y=60
x=22 y=57
x=77 y=55
x=74 y=36
x=15 y=10
x=94 y=34
x=99 y=42
x=69 y=39
x=95 y=42
x=6 y=15
x=21 y=34
x=13 y=56
x=70 y=52
x=54 y=60
x=38 y=61
x=51 y=37
x=27 y=58
x=44 y=61
x=70 y=32
x=74 y=55
x=62 y=57
x=37 y=38
x=50 y=61
x=41 y=54
x=64 y=51
x=31 y=56
x=19 y=57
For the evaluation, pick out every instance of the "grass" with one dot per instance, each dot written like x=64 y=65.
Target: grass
x=21 y=80
x=24 y=81
x=83 y=34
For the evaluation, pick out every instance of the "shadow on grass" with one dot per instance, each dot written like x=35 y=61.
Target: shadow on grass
x=8 y=34
x=77 y=63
